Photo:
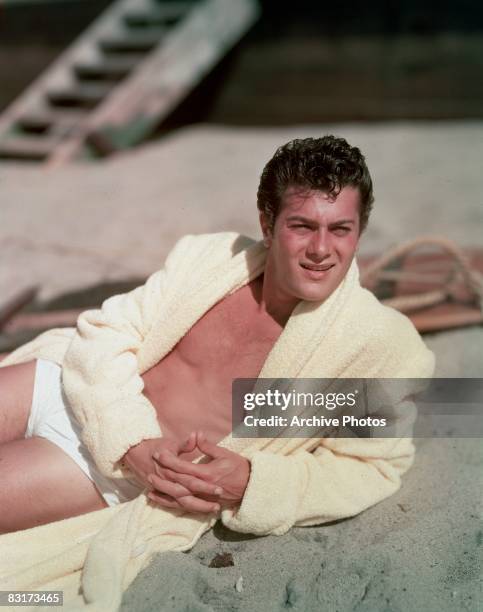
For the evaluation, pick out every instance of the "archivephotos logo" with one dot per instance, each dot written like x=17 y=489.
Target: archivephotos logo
x=357 y=407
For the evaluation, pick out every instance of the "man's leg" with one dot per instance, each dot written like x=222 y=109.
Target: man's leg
x=16 y=390
x=39 y=483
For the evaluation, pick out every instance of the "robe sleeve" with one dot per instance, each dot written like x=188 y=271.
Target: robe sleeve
x=101 y=377
x=339 y=479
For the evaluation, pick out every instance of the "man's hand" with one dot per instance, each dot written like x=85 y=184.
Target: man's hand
x=227 y=472
x=139 y=458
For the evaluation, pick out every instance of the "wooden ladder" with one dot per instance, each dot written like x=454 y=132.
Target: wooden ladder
x=119 y=79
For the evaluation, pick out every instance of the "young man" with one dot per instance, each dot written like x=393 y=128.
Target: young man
x=147 y=379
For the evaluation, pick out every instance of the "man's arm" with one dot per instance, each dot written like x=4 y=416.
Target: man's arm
x=341 y=478
x=272 y=493
x=101 y=376
x=101 y=370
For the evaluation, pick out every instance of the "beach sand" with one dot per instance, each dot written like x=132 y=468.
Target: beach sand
x=421 y=549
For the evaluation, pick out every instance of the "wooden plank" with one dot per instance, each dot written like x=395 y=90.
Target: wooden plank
x=19 y=301
x=433 y=321
x=114 y=68
x=42 y=320
x=166 y=15
x=43 y=121
x=82 y=95
x=27 y=148
x=426 y=272
x=128 y=42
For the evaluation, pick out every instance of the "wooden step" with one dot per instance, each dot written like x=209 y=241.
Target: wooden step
x=42 y=122
x=109 y=69
x=27 y=148
x=133 y=42
x=155 y=16
x=12 y=306
x=42 y=320
x=176 y=4
x=82 y=96
x=34 y=124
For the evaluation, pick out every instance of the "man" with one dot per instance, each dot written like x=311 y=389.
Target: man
x=149 y=376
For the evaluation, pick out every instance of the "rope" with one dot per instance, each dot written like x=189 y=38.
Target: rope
x=461 y=265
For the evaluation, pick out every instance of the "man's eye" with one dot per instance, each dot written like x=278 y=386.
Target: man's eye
x=341 y=231
x=299 y=225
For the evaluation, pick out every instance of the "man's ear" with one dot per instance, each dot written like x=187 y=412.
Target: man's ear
x=266 y=229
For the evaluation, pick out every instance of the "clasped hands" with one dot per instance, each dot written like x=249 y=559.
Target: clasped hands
x=175 y=482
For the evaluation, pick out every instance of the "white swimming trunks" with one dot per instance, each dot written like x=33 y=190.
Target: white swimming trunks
x=51 y=418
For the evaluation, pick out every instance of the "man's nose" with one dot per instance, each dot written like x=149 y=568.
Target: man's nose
x=319 y=245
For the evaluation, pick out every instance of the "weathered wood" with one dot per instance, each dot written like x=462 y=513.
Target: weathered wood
x=130 y=69
x=80 y=95
x=42 y=320
x=27 y=148
x=137 y=42
x=58 y=120
x=114 y=68
x=431 y=321
x=15 y=304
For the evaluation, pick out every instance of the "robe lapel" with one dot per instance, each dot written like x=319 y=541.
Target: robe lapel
x=305 y=331
x=199 y=296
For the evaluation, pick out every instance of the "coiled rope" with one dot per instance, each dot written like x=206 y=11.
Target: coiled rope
x=472 y=278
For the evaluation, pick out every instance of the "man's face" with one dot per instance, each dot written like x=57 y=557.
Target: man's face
x=312 y=243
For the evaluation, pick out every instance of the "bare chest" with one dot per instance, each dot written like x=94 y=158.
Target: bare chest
x=190 y=388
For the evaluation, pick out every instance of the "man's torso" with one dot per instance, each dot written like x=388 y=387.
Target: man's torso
x=190 y=387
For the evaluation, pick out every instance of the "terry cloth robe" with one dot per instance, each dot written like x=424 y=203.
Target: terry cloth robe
x=293 y=481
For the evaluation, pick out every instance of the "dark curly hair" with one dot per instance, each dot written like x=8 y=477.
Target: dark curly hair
x=325 y=164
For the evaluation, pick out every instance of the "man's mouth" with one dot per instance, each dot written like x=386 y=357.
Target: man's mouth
x=316 y=272
x=317 y=267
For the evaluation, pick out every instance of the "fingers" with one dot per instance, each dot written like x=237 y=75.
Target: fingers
x=163 y=500
x=163 y=472
x=188 y=502
x=167 y=460
x=193 y=484
x=172 y=489
x=194 y=504
x=208 y=448
x=174 y=447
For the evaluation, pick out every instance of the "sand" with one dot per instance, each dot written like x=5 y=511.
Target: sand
x=86 y=223
x=418 y=550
